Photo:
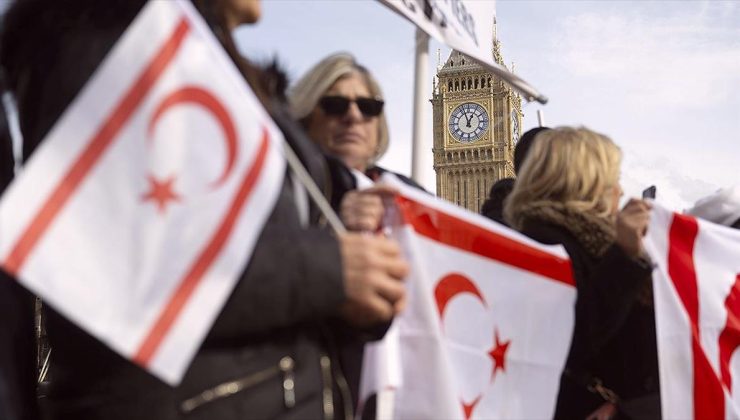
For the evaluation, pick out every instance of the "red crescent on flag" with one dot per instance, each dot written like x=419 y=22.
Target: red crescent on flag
x=452 y=285
x=199 y=96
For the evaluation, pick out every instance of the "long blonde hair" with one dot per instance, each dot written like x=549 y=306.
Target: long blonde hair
x=575 y=167
x=307 y=92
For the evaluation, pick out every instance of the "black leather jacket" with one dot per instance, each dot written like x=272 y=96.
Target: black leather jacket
x=270 y=353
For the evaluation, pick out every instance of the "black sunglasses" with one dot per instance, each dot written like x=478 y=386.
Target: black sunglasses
x=338 y=105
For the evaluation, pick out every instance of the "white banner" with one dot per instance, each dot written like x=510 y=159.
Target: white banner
x=489 y=319
x=697 y=309
x=139 y=211
x=466 y=26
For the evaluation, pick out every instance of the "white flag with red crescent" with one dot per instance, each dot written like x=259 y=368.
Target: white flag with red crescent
x=140 y=210
x=697 y=308
x=489 y=318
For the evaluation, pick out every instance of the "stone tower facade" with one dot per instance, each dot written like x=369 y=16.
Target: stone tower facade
x=477 y=120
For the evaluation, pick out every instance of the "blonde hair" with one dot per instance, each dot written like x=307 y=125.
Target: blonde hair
x=307 y=92
x=572 y=166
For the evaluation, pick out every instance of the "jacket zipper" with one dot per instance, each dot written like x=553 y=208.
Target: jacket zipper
x=335 y=373
x=227 y=389
x=327 y=392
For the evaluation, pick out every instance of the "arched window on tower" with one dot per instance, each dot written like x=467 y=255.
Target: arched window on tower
x=449 y=86
x=470 y=83
x=476 y=83
x=457 y=85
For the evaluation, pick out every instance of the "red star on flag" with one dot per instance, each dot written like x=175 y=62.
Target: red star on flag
x=468 y=408
x=160 y=192
x=498 y=354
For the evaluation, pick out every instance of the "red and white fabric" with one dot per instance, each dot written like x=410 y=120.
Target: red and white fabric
x=138 y=213
x=697 y=304
x=489 y=318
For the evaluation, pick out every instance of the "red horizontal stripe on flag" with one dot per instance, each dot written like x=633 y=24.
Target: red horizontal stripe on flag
x=187 y=286
x=453 y=231
x=95 y=148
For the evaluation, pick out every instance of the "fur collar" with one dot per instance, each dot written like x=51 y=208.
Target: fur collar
x=594 y=233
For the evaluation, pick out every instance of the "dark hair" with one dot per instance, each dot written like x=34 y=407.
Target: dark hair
x=213 y=11
x=736 y=225
x=523 y=145
x=493 y=207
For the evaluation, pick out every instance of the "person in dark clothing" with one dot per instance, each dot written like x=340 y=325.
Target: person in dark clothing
x=271 y=352
x=340 y=104
x=568 y=193
x=493 y=207
x=521 y=150
x=494 y=204
x=17 y=344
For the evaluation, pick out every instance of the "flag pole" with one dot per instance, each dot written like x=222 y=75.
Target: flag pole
x=313 y=190
x=540 y=118
x=418 y=150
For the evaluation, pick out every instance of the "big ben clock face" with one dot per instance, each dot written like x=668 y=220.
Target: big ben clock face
x=468 y=122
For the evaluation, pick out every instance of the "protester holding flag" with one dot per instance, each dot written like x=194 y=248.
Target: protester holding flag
x=270 y=351
x=340 y=104
x=568 y=193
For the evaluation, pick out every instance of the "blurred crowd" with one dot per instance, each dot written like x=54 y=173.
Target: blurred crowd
x=311 y=315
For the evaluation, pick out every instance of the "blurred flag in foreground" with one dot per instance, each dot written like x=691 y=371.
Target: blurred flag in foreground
x=697 y=309
x=139 y=211
x=489 y=319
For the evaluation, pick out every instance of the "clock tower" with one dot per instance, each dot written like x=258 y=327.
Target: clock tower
x=476 y=121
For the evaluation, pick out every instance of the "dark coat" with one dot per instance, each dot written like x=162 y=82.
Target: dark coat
x=350 y=343
x=17 y=352
x=282 y=306
x=375 y=172
x=614 y=332
x=17 y=344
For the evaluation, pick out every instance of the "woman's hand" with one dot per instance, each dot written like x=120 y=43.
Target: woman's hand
x=362 y=210
x=632 y=223
x=605 y=412
x=373 y=270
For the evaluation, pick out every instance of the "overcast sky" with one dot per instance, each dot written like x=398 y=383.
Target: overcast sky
x=660 y=78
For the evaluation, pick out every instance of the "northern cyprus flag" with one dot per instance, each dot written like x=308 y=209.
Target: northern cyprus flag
x=488 y=324
x=697 y=309
x=140 y=209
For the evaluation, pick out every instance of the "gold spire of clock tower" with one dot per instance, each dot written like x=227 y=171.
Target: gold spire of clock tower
x=476 y=120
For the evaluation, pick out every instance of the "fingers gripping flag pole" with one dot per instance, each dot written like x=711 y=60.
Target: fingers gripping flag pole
x=137 y=214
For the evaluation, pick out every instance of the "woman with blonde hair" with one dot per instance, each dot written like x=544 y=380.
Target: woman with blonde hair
x=340 y=105
x=568 y=193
